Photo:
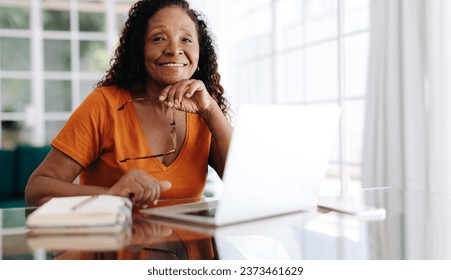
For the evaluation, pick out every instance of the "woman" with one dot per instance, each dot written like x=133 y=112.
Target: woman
x=155 y=121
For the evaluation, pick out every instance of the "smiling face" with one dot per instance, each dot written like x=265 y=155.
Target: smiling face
x=171 y=47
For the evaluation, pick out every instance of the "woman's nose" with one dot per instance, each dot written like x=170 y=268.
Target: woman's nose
x=173 y=48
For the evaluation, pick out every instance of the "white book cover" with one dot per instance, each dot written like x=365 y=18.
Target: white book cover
x=99 y=213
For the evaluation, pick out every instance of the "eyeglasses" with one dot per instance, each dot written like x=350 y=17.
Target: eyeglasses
x=172 y=133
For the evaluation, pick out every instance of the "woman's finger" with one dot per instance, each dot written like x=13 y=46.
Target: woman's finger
x=164 y=94
x=182 y=88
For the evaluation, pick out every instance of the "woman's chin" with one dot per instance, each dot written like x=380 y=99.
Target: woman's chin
x=168 y=80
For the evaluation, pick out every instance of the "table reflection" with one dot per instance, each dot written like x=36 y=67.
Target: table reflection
x=146 y=241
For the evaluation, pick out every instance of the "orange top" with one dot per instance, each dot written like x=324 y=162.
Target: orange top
x=98 y=136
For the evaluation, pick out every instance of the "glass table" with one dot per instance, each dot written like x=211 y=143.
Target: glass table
x=416 y=225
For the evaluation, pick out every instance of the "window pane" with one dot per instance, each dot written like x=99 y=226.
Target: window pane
x=15 y=94
x=244 y=7
x=13 y=133
x=290 y=38
x=52 y=128
x=243 y=52
x=290 y=77
x=317 y=9
x=120 y=21
x=253 y=49
x=354 y=125
x=94 y=22
x=261 y=79
x=355 y=176
x=356 y=61
x=257 y=23
x=86 y=87
x=58 y=96
x=255 y=82
x=288 y=13
x=356 y=15
x=332 y=180
x=261 y=46
x=14 y=18
x=14 y=54
x=57 y=55
x=93 y=56
x=322 y=20
x=324 y=28
x=322 y=72
x=56 y=20
x=242 y=78
x=335 y=151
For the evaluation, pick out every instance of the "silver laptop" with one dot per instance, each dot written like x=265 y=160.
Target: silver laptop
x=276 y=163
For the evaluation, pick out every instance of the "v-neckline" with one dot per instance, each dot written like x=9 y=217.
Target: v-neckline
x=143 y=139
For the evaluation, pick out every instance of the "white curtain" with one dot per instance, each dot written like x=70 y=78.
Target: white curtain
x=439 y=87
x=407 y=141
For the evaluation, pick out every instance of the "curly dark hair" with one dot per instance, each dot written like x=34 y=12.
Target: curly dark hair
x=127 y=65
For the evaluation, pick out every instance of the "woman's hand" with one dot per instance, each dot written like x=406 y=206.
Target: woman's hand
x=189 y=96
x=140 y=187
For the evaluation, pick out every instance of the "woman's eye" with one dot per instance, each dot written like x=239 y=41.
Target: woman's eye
x=157 y=38
x=187 y=40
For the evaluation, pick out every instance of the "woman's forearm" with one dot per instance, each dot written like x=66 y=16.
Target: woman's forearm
x=41 y=188
x=221 y=130
x=54 y=177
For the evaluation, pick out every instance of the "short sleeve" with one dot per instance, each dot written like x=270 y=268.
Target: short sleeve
x=81 y=136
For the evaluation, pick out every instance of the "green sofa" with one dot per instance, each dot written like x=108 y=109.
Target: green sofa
x=16 y=167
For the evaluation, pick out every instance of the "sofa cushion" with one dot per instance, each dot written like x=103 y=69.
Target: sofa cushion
x=13 y=203
x=27 y=160
x=7 y=184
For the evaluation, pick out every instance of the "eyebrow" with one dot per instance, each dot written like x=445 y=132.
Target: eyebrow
x=161 y=26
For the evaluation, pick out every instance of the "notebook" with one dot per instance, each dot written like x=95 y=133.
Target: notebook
x=276 y=163
x=81 y=214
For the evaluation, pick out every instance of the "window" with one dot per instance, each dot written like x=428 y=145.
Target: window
x=306 y=52
x=51 y=55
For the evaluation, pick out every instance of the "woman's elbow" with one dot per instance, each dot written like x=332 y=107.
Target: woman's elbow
x=33 y=195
